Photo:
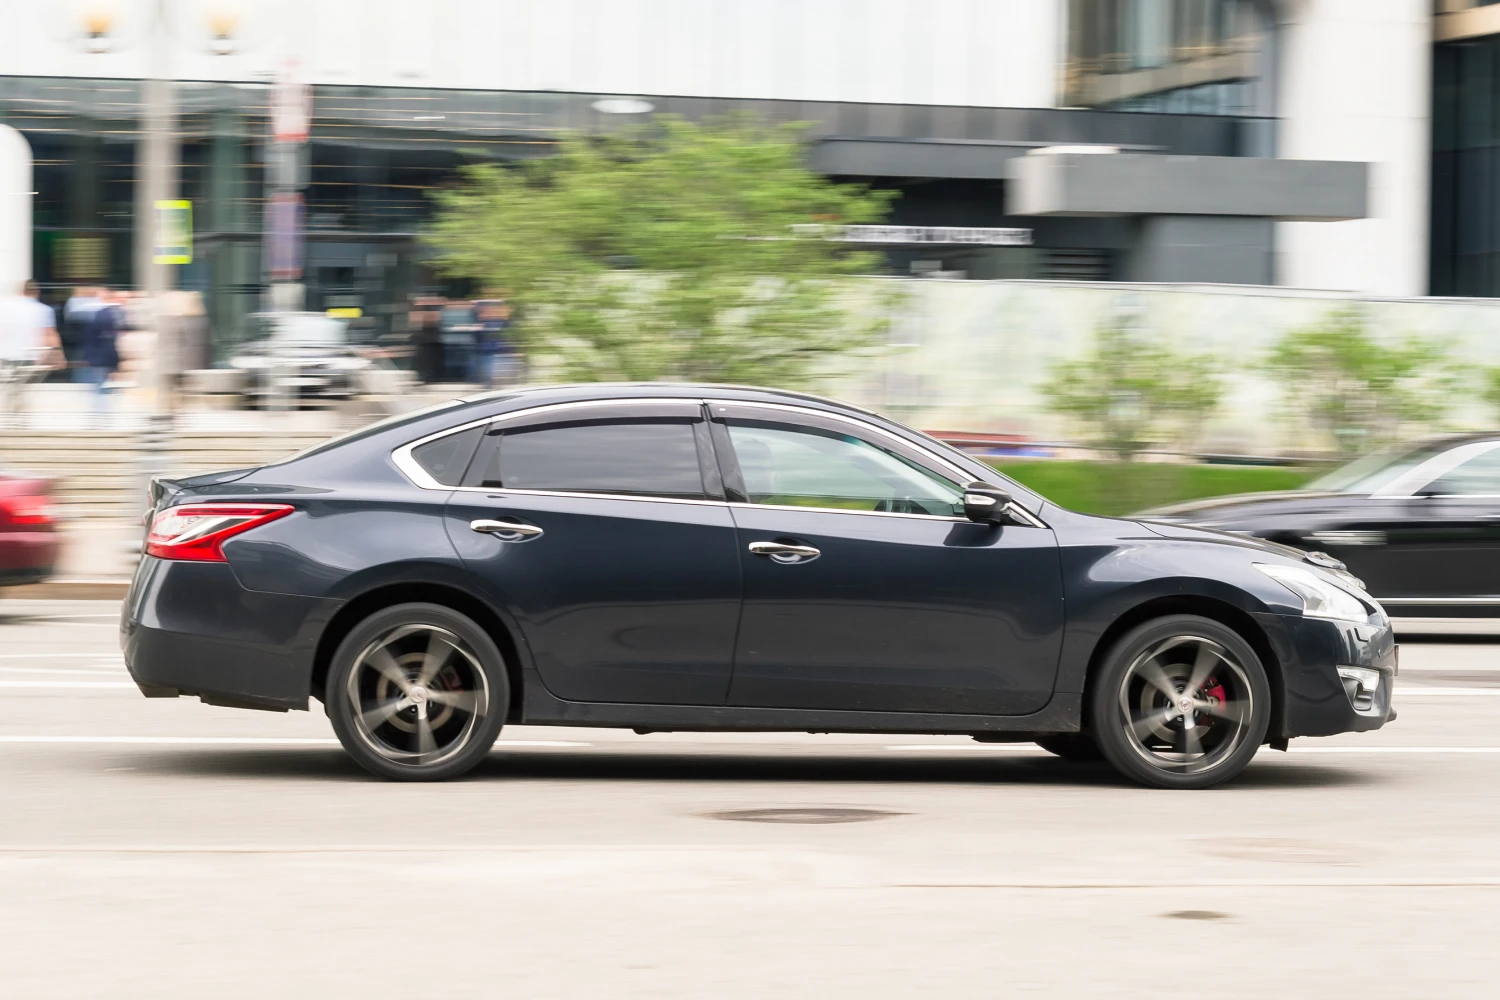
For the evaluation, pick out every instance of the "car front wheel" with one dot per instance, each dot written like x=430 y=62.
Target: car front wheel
x=417 y=692
x=1180 y=702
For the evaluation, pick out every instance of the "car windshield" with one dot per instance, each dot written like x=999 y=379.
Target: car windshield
x=1373 y=472
x=306 y=329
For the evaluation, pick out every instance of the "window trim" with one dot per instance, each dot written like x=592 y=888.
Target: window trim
x=402 y=458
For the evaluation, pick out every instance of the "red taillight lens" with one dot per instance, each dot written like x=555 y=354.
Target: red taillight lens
x=197 y=531
x=27 y=510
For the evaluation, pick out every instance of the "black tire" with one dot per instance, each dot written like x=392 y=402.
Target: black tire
x=395 y=720
x=1142 y=731
x=1075 y=747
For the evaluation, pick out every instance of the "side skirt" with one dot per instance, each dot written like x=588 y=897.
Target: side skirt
x=1063 y=714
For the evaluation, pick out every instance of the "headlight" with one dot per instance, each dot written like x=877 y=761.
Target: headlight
x=1321 y=597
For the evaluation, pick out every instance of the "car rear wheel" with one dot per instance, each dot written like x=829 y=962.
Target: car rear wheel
x=1180 y=702
x=417 y=692
x=1075 y=747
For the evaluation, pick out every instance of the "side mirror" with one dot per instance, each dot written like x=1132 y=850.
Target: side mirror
x=986 y=503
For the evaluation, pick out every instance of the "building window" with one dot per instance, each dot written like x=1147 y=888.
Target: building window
x=1204 y=57
x=1465 y=235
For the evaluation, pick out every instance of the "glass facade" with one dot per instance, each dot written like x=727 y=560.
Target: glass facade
x=1203 y=57
x=1465 y=250
x=375 y=153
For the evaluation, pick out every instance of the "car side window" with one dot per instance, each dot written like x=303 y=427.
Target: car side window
x=637 y=457
x=801 y=466
x=446 y=458
x=1479 y=476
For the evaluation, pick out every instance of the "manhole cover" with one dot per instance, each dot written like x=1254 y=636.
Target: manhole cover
x=809 y=815
x=1196 y=915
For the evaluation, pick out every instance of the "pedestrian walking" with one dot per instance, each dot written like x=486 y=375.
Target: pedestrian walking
x=29 y=347
x=94 y=323
x=490 y=342
x=426 y=340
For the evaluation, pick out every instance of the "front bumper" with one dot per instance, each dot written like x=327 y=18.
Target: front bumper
x=191 y=628
x=1310 y=651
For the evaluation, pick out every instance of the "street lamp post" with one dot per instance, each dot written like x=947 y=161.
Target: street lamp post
x=156 y=173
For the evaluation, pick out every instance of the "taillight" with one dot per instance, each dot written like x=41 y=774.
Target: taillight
x=26 y=510
x=197 y=531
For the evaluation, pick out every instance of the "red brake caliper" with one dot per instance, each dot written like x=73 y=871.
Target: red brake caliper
x=1214 y=691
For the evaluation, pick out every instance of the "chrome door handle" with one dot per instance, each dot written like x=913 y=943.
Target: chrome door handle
x=506 y=531
x=784 y=553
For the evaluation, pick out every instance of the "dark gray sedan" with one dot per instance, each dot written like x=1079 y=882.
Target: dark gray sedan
x=681 y=557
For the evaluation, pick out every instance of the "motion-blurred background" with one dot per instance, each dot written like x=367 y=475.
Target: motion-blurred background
x=1135 y=251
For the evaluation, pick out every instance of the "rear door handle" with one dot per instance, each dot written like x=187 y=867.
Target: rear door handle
x=506 y=531
x=783 y=552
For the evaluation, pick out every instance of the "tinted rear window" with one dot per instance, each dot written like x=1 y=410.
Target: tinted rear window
x=634 y=458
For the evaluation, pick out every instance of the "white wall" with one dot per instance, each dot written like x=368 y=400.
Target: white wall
x=991 y=53
x=1355 y=84
x=15 y=210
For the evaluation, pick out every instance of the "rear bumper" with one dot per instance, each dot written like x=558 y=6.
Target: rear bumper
x=191 y=628
x=1310 y=651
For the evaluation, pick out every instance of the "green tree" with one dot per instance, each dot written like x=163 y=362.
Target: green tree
x=1353 y=389
x=1132 y=390
x=667 y=252
x=1490 y=388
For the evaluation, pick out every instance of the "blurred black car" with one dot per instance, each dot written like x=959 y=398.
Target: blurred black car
x=1419 y=524
x=301 y=358
x=679 y=557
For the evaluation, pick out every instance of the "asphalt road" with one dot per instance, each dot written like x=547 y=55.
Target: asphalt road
x=167 y=849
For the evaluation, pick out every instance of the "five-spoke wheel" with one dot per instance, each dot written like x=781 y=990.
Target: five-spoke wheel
x=1180 y=702
x=417 y=692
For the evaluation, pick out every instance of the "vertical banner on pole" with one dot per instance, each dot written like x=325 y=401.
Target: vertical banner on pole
x=284 y=255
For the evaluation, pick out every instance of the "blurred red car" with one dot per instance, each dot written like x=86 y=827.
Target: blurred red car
x=28 y=529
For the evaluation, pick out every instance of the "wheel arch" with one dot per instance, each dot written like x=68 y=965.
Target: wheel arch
x=360 y=607
x=1223 y=612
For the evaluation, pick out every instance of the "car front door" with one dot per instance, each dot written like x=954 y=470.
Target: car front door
x=602 y=528
x=864 y=586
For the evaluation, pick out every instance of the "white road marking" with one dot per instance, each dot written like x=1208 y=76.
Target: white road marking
x=1340 y=749
x=111 y=657
x=50 y=671
x=240 y=741
x=62 y=685
x=1413 y=691
x=1296 y=748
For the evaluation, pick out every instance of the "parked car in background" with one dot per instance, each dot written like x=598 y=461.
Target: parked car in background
x=300 y=359
x=679 y=557
x=1418 y=523
x=28 y=529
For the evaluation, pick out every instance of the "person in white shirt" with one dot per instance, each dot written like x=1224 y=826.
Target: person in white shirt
x=28 y=337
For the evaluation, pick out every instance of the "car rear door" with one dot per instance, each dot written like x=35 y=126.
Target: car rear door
x=864 y=586
x=601 y=527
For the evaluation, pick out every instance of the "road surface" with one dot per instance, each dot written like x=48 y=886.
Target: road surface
x=167 y=849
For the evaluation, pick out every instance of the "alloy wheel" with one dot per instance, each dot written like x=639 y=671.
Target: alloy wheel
x=418 y=695
x=1186 y=704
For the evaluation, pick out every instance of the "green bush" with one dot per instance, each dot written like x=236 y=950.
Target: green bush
x=1117 y=488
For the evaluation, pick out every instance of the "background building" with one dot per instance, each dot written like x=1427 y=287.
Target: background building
x=1245 y=141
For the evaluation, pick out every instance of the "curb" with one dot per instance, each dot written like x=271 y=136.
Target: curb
x=68 y=590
